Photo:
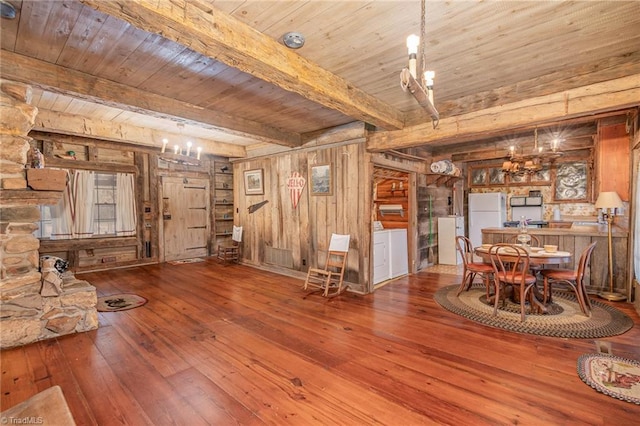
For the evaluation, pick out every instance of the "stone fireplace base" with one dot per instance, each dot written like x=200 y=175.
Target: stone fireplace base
x=27 y=316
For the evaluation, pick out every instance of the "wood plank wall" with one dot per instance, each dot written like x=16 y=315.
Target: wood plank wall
x=306 y=230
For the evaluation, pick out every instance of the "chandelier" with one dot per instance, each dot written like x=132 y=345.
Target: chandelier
x=528 y=163
x=423 y=93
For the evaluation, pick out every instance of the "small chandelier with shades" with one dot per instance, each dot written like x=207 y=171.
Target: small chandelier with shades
x=528 y=163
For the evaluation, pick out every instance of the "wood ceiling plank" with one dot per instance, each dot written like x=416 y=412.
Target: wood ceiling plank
x=81 y=126
x=608 y=96
x=220 y=36
x=60 y=79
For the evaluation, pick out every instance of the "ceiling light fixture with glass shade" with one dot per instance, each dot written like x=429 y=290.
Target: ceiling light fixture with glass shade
x=532 y=162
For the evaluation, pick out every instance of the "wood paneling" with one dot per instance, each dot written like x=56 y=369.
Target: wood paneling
x=613 y=151
x=306 y=230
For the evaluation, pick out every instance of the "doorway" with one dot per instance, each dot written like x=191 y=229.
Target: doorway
x=185 y=214
x=393 y=224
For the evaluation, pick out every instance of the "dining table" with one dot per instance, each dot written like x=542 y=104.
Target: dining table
x=537 y=257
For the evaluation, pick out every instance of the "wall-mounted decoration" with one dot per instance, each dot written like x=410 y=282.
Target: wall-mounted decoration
x=321 y=177
x=571 y=183
x=255 y=207
x=253 y=182
x=496 y=176
x=478 y=176
x=296 y=184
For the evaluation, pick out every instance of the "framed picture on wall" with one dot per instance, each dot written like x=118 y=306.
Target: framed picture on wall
x=571 y=183
x=321 y=179
x=253 y=182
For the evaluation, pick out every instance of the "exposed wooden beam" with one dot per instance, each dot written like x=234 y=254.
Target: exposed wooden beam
x=105 y=92
x=615 y=67
x=70 y=124
x=215 y=34
x=607 y=96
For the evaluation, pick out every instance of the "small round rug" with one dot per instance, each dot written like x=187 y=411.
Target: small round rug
x=563 y=320
x=119 y=302
x=611 y=375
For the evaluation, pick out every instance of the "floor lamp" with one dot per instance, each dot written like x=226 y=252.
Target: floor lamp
x=608 y=201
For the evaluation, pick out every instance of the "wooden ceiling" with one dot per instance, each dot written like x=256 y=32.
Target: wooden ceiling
x=217 y=73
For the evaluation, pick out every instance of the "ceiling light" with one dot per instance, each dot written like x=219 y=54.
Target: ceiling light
x=521 y=163
x=7 y=10
x=423 y=93
x=293 y=40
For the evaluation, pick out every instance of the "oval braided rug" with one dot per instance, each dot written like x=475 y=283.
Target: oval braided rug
x=564 y=319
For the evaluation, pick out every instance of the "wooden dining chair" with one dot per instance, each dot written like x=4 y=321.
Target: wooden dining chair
x=331 y=276
x=471 y=268
x=511 y=268
x=573 y=278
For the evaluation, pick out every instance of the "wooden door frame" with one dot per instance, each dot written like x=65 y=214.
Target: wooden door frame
x=412 y=220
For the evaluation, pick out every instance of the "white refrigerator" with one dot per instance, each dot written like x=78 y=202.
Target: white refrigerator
x=486 y=210
x=448 y=229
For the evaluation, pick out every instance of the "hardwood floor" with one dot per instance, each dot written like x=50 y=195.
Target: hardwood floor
x=231 y=344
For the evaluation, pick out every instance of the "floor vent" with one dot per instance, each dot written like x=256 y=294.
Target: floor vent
x=278 y=257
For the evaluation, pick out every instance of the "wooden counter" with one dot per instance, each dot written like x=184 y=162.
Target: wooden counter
x=575 y=240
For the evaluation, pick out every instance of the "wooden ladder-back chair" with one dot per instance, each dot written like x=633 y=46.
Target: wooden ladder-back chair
x=332 y=275
x=572 y=278
x=471 y=268
x=230 y=251
x=511 y=267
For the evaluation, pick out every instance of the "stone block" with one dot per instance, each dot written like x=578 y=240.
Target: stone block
x=20 y=214
x=15 y=91
x=81 y=299
x=12 y=260
x=17 y=119
x=9 y=168
x=14 y=148
x=30 y=279
x=28 y=301
x=19 y=331
x=15 y=270
x=21 y=228
x=14 y=183
x=90 y=321
x=63 y=324
x=22 y=244
x=13 y=311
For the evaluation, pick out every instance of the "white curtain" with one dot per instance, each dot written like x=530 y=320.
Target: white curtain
x=126 y=205
x=62 y=214
x=84 y=183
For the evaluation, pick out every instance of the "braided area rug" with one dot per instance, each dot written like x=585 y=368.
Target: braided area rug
x=563 y=320
x=611 y=375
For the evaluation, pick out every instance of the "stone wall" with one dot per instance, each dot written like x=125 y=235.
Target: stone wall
x=25 y=314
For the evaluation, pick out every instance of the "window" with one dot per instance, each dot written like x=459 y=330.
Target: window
x=96 y=210
x=104 y=206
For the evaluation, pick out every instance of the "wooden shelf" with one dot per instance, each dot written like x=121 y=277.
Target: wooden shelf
x=442 y=179
x=223 y=201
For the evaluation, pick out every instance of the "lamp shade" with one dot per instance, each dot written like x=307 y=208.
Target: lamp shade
x=609 y=200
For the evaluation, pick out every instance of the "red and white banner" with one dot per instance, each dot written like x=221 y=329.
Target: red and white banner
x=296 y=184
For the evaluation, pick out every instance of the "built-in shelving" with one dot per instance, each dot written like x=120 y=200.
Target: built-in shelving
x=223 y=201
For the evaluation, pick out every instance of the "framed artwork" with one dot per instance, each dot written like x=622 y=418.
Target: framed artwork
x=571 y=183
x=478 y=176
x=321 y=179
x=496 y=176
x=253 y=182
x=542 y=176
